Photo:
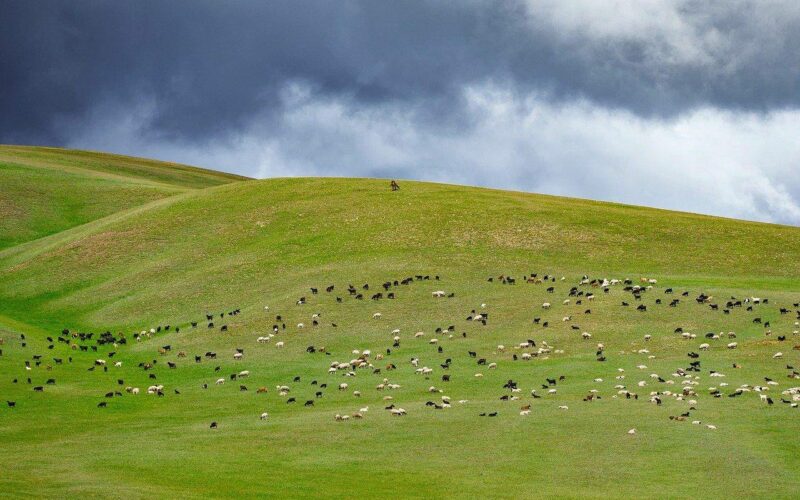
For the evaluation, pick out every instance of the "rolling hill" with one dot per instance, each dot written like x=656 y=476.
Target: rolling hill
x=47 y=190
x=118 y=244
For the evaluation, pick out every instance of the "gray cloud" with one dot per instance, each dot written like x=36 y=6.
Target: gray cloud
x=212 y=66
x=626 y=100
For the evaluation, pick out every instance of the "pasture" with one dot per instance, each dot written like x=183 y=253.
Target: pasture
x=198 y=253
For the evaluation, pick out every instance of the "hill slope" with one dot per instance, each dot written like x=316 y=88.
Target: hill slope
x=235 y=260
x=233 y=243
x=46 y=190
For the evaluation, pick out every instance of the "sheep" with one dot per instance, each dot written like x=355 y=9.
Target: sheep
x=237 y=356
x=343 y=386
x=777 y=355
x=438 y=294
x=376 y=316
x=704 y=347
x=733 y=345
x=546 y=305
x=264 y=416
x=279 y=345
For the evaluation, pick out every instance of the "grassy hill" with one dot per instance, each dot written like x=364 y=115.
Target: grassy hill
x=46 y=190
x=187 y=243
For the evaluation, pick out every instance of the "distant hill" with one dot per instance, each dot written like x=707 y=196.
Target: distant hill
x=46 y=190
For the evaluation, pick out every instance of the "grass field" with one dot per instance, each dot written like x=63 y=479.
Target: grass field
x=97 y=243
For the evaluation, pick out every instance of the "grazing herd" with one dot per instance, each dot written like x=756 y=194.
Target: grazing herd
x=429 y=362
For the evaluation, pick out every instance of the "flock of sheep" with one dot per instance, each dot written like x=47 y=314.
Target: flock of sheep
x=437 y=352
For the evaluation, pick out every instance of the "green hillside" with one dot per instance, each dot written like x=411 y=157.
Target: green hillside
x=174 y=254
x=46 y=190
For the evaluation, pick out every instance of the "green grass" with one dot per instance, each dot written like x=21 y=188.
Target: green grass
x=170 y=258
x=46 y=190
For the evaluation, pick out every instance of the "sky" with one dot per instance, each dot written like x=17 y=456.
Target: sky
x=687 y=105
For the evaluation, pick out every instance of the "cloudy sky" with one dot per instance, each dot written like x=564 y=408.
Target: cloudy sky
x=690 y=105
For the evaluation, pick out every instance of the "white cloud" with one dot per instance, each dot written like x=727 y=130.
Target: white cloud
x=723 y=163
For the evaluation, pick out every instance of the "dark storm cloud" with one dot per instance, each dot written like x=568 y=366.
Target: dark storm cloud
x=683 y=104
x=208 y=68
